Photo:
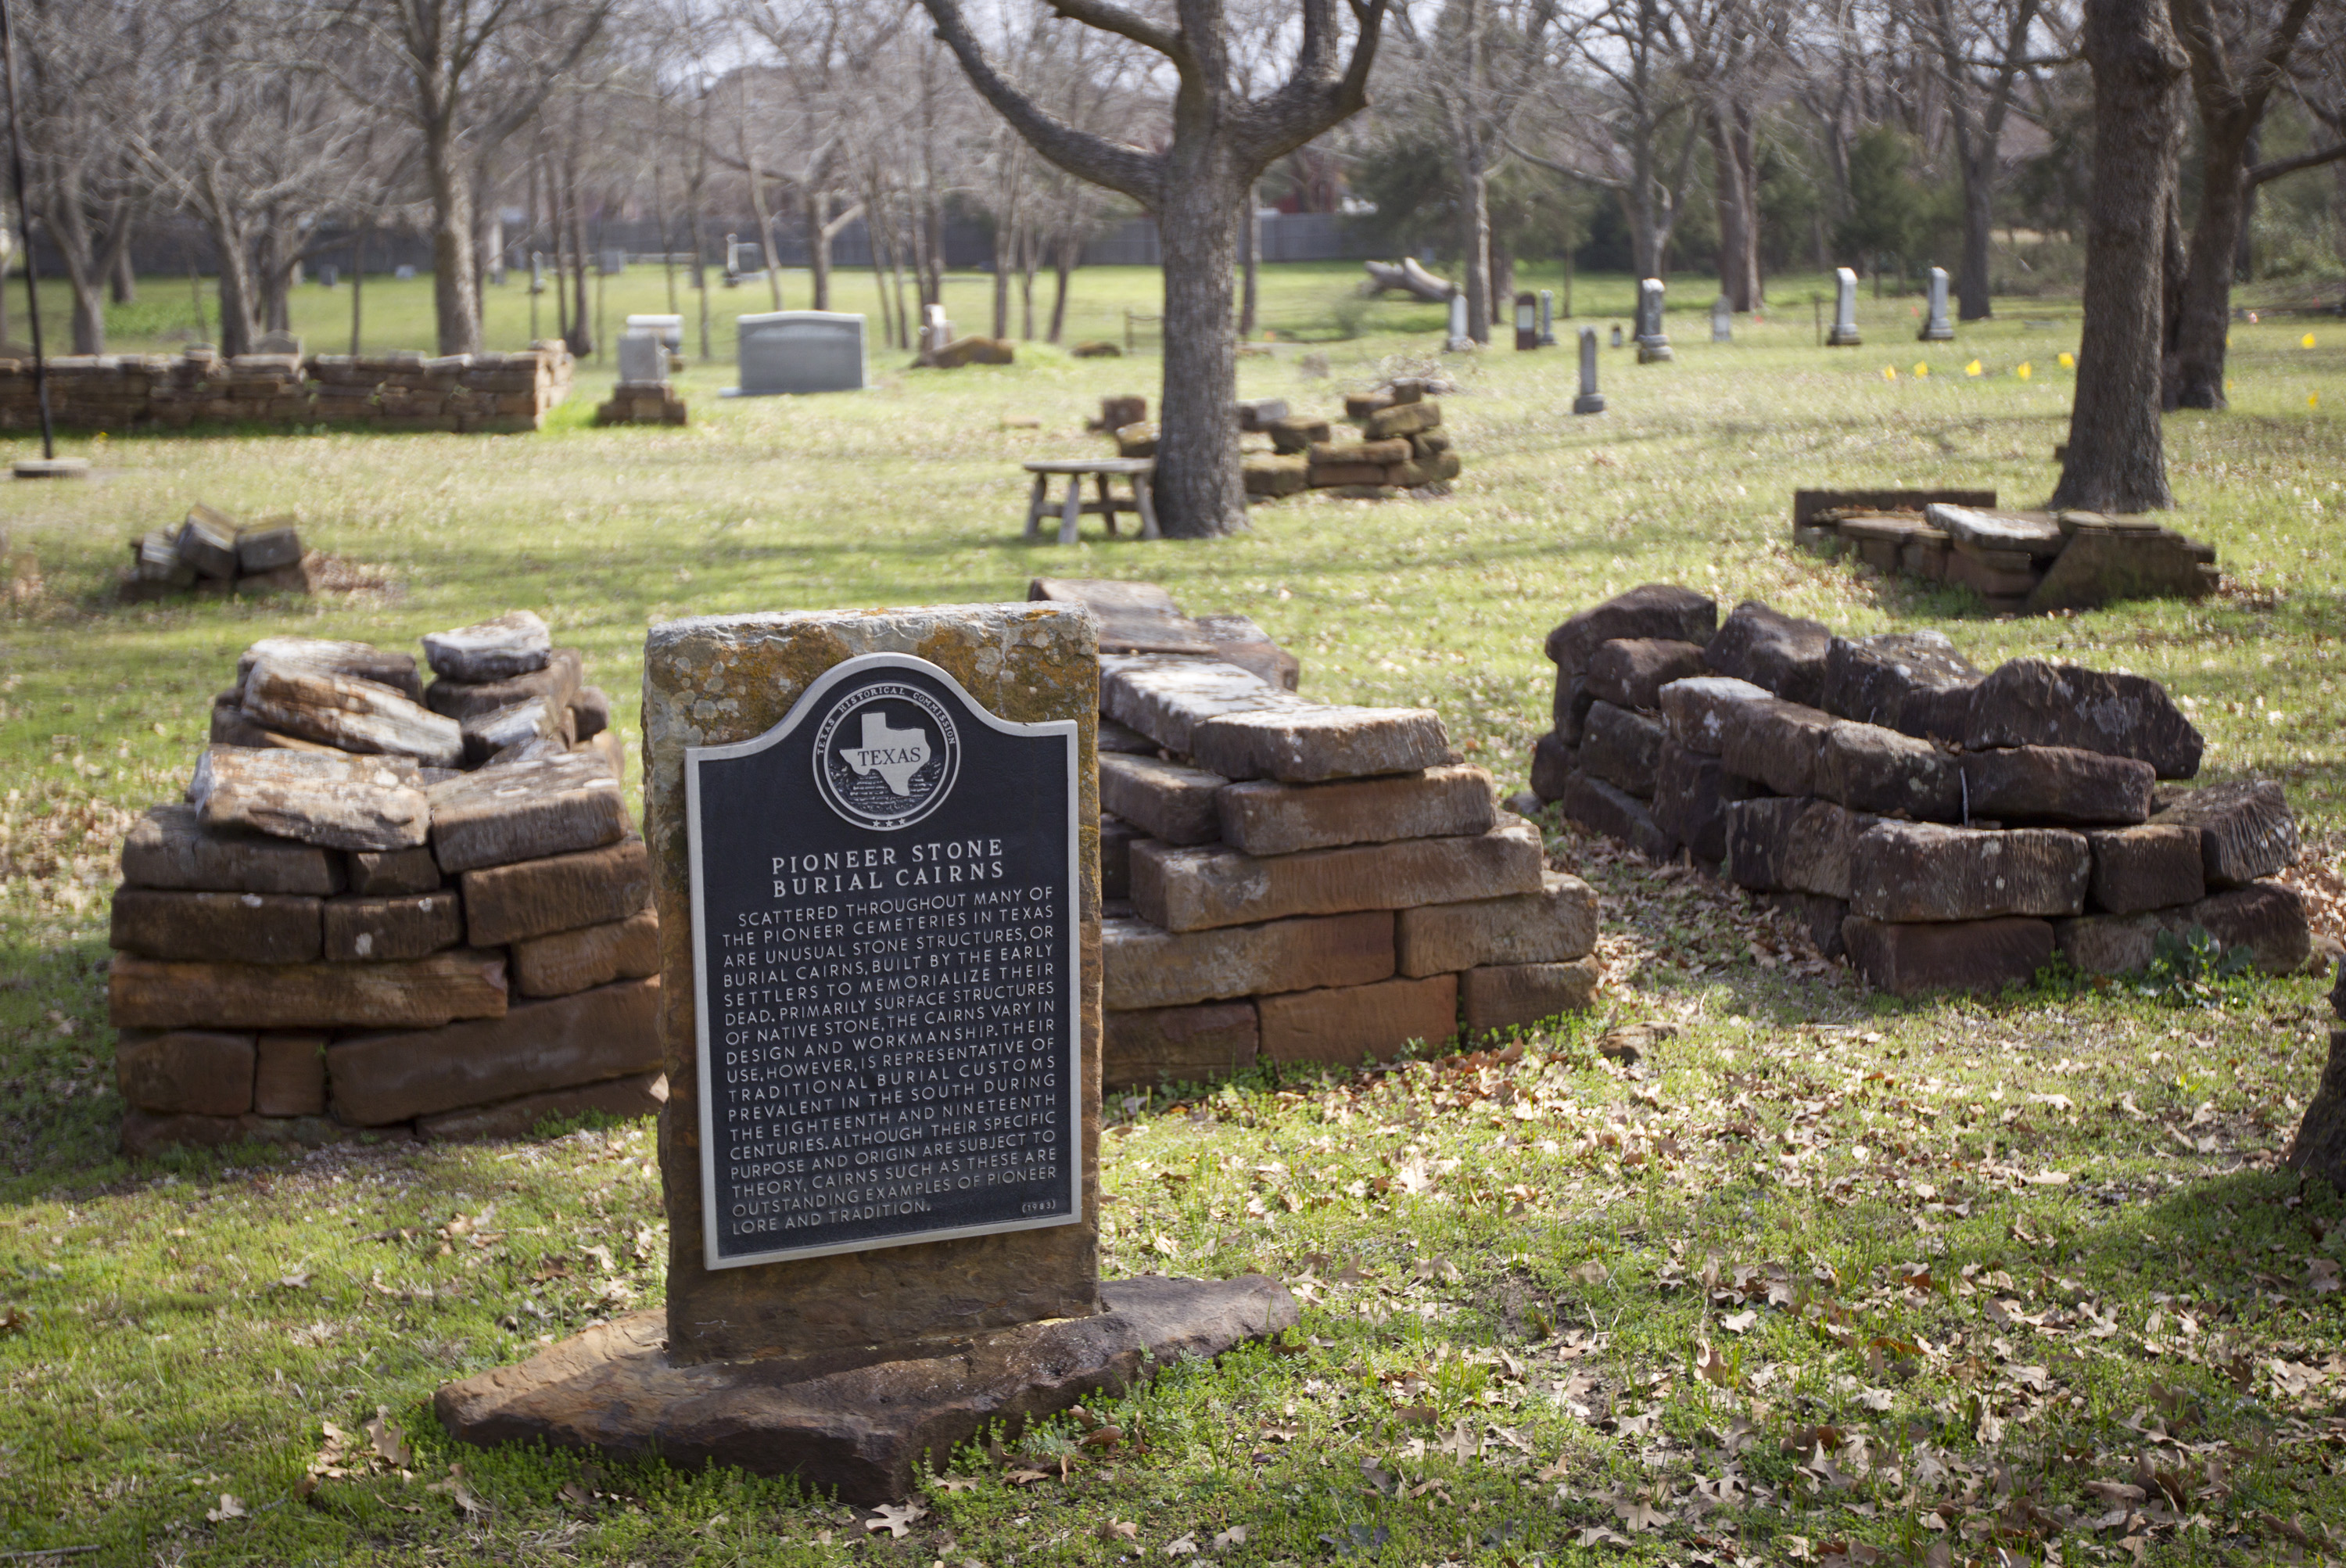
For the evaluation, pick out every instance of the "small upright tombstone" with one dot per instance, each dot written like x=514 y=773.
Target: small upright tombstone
x=643 y=359
x=329 y=275
x=1844 y=335
x=876 y=846
x=669 y=329
x=936 y=330
x=1722 y=321
x=404 y=274
x=1653 y=343
x=1547 y=318
x=1527 y=323
x=612 y=262
x=1458 y=341
x=799 y=352
x=1616 y=334
x=1937 y=329
x=1590 y=400
x=537 y=271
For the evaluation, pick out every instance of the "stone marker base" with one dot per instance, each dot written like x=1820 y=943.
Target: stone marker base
x=53 y=468
x=1588 y=403
x=854 y=1421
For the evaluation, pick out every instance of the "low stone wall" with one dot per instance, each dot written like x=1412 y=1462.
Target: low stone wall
x=486 y=394
x=1303 y=881
x=1938 y=825
x=1397 y=444
x=344 y=929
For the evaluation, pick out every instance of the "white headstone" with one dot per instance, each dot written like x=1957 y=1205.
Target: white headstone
x=1590 y=400
x=1653 y=343
x=1722 y=322
x=669 y=329
x=1547 y=316
x=800 y=352
x=405 y=274
x=1458 y=338
x=1616 y=334
x=1937 y=329
x=1844 y=333
x=642 y=358
x=936 y=331
x=537 y=271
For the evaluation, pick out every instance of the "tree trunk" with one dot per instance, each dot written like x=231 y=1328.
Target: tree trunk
x=238 y=323
x=1003 y=243
x=2244 y=256
x=2116 y=459
x=818 y=224
x=1733 y=157
x=455 y=303
x=700 y=267
x=1474 y=244
x=2204 y=310
x=1971 y=298
x=1250 y=258
x=1199 y=492
x=1063 y=265
x=124 y=286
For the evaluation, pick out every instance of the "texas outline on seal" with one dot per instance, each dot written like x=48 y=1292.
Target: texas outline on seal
x=906 y=764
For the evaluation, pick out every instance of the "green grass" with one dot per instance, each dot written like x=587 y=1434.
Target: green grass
x=184 y=1330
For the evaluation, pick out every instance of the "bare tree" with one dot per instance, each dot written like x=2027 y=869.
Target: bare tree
x=2116 y=461
x=1980 y=89
x=81 y=69
x=1221 y=141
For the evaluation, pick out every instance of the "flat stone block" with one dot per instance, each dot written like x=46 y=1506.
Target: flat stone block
x=2146 y=867
x=394 y=1077
x=860 y=1421
x=1343 y=1026
x=2101 y=566
x=1691 y=792
x=2034 y=533
x=572 y=961
x=1167 y=699
x=1145 y=966
x=2108 y=943
x=1556 y=923
x=381 y=873
x=2246 y=829
x=1554 y=763
x=461 y=699
x=1662 y=610
x=1630 y=672
x=1911 y=682
x=1603 y=808
x=1195 y=889
x=2057 y=784
x=169 y=847
x=152 y=994
x=356 y=715
x=562 y=892
x=487 y=734
x=1774 y=742
x=216 y=928
x=2266 y=918
x=192 y=1071
x=1166 y=800
x=1981 y=956
x=1908 y=871
x=526 y=812
x=1116 y=838
x=288 y=1074
x=1262 y=818
x=363 y=930
x=1874 y=768
x=515 y=643
x=1694 y=711
x=2036 y=702
x=328 y=799
x=356 y=661
x=1517 y=996
x=1784 y=654
x=1320 y=741
x=1178 y=1044
x=590 y=712
x=638 y=1095
x=1622 y=748
x=1799 y=846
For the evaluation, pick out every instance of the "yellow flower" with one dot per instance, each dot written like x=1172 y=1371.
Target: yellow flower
x=2306 y=341
x=2020 y=370
x=2068 y=362
x=1921 y=369
x=1890 y=372
x=1972 y=368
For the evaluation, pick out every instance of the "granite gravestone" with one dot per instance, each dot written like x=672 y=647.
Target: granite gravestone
x=1653 y=343
x=1936 y=328
x=643 y=361
x=1590 y=400
x=1547 y=318
x=800 y=352
x=875 y=847
x=1844 y=333
x=1527 y=332
x=1458 y=341
x=1722 y=321
x=669 y=329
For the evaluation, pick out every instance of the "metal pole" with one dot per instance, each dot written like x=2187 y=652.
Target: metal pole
x=25 y=227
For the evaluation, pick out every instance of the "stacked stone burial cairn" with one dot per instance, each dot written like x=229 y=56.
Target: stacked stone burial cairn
x=389 y=906
x=488 y=393
x=1940 y=825
x=1400 y=445
x=2028 y=563
x=1306 y=882
x=210 y=553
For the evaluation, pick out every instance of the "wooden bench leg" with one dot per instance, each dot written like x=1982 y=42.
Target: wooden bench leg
x=1143 y=500
x=1034 y=507
x=1107 y=505
x=1069 y=513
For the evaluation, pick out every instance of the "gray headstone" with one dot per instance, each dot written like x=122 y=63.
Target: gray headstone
x=1844 y=333
x=800 y=352
x=1722 y=322
x=669 y=329
x=1547 y=316
x=613 y=262
x=1590 y=400
x=1937 y=329
x=537 y=271
x=1458 y=337
x=405 y=274
x=1616 y=334
x=1653 y=343
x=643 y=359
x=329 y=275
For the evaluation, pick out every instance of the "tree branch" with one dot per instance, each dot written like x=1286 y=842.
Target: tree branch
x=2280 y=166
x=1112 y=19
x=1127 y=170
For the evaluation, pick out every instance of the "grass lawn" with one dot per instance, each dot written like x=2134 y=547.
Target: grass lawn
x=1822 y=1275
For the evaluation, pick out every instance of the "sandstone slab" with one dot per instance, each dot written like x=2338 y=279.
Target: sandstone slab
x=1341 y=1026
x=1568 y=708
x=1691 y=793
x=267 y=549
x=1166 y=800
x=1630 y=672
x=337 y=801
x=216 y=928
x=2146 y=867
x=288 y=1074
x=1178 y=1044
x=487 y=734
x=1556 y=923
x=169 y=847
x=1800 y=846
x=1554 y=762
x=1167 y=699
x=1622 y=748
x=2057 y=784
x=1774 y=742
x=1116 y=838
x=356 y=661
x=1911 y=682
x=379 y=873
x=1694 y=712
x=637 y=1095
x=352 y=715
x=1145 y=966
x=1195 y=889
x=1519 y=995
x=2102 y=566
x=1872 y=768
x=192 y=1072
x=1784 y=654
x=1264 y=818
x=2036 y=702
x=1605 y=809
x=1816 y=913
x=1980 y=956
x=561 y=892
x=1662 y=610
x=1320 y=741
x=515 y=643
x=535 y=1045
x=2246 y=829
x=1920 y=871
x=362 y=929
x=2266 y=918
x=571 y=961
x=859 y=1422
x=526 y=812
x=590 y=712
x=2036 y=534
x=422 y=993
x=460 y=699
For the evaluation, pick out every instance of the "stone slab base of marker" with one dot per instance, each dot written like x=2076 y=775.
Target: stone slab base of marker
x=875 y=843
x=859 y=1422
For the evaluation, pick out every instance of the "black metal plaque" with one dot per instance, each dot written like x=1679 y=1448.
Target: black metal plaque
x=888 y=967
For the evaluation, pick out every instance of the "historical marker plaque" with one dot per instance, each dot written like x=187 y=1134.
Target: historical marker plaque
x=888 y=963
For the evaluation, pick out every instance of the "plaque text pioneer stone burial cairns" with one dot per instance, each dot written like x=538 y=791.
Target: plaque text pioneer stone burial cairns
x=1844 y=333
x=875 y=843
x=800 y=352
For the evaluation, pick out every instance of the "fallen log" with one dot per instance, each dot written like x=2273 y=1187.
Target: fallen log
x=1408 y=277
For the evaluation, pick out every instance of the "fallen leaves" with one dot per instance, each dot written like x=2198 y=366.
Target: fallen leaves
x=455 y=1489
x=895 y=1519
x=231 y=1507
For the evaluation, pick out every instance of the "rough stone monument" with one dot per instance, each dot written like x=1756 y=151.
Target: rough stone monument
x=800 y=352
x=1590 y=400
x=1936 y=327
x=875 y=848
x=1547 y=318
x=1458 y=343
x=1653 y=343
x=1722 y=322
x=1844 y=333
